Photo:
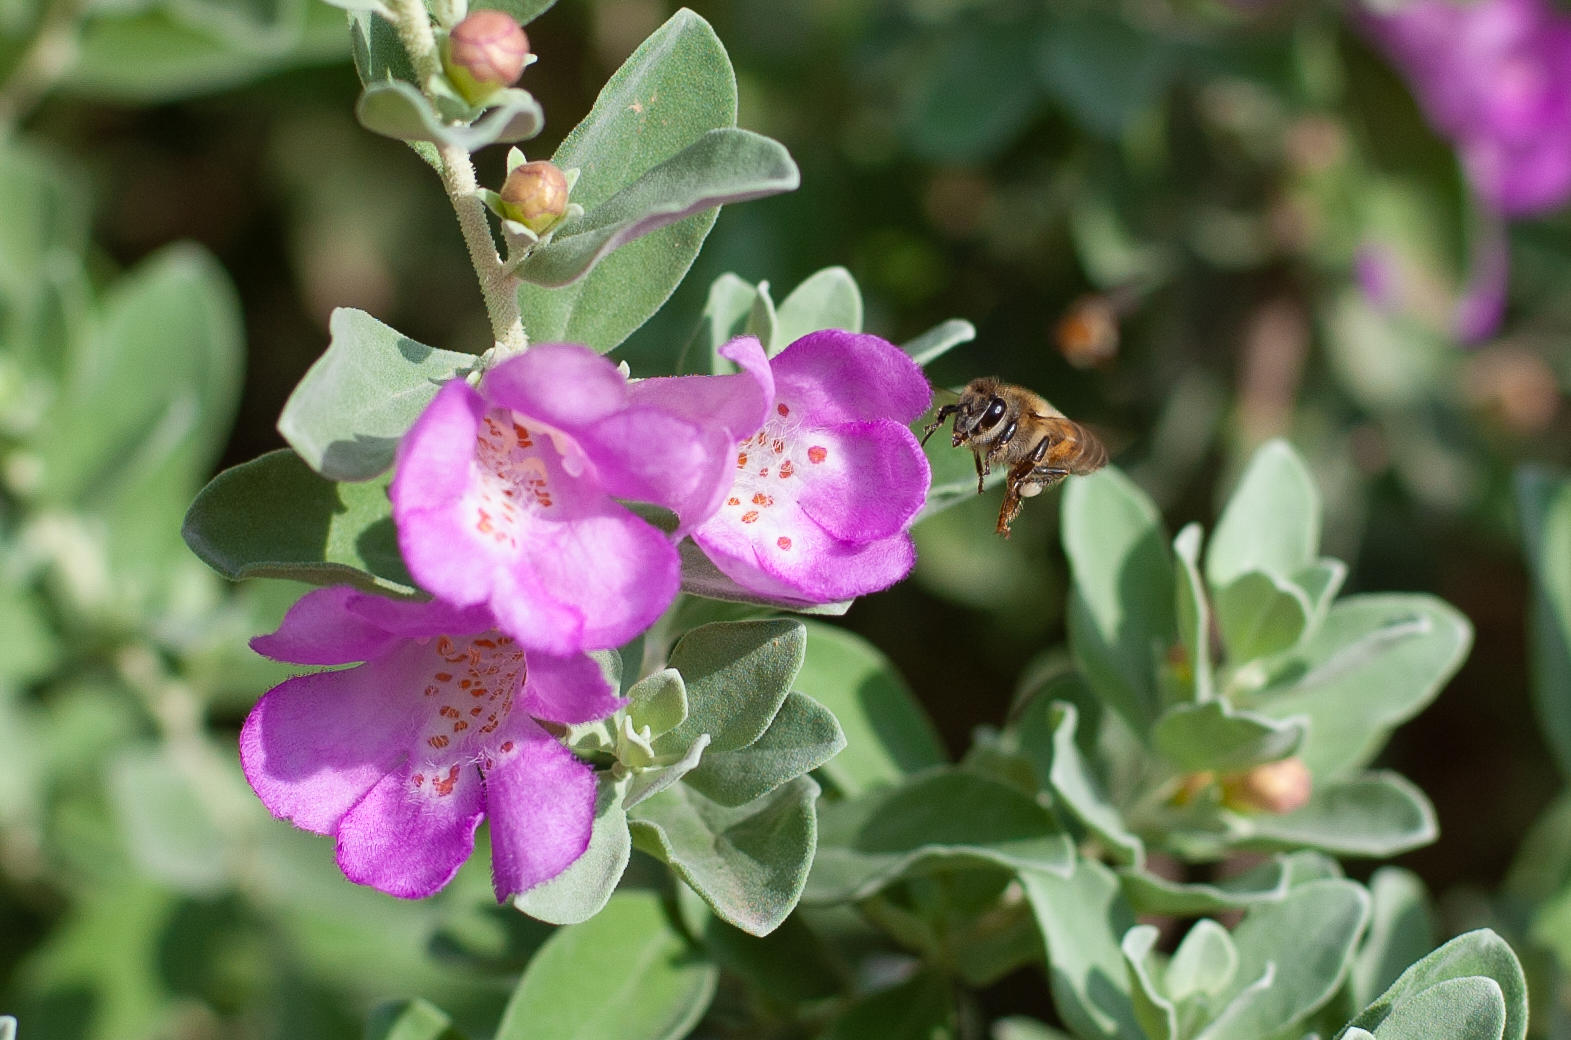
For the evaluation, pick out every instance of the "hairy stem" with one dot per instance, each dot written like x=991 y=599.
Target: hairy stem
x=497 y=286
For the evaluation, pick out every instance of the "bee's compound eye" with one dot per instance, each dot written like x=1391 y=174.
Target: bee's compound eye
x=994 y=414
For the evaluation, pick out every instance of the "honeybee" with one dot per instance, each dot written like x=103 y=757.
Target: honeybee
x=1011 y=426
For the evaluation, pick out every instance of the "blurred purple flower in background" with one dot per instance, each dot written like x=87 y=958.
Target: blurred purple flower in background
x=1494 y=76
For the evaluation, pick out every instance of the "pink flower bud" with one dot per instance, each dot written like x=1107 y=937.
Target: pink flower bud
x=1275 y=787
x=484 y=53
x=535 y=195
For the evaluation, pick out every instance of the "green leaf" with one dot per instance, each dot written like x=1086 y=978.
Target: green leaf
x=887 y=733
x=1272 y=521
x=920 y=1007
x=1320 y=582
x=1204 y=963
x=156 y=55
x=396 y=109
x=46 y=218
x=802 y=737
x=1157 y=1017
x=1401 y=930
x=1457 y=1009
x=416 y=1019
x=1082 y=793
x=1192 y=611
x=168 y=827
x=724 y=165
x=658 y=701
x=274 y=518
x=378 y=52
x=1260 y=615
x=347 y=414
x=149 y=399
x=1083 y=918
x=1378 y=814
x=942 y=818
x=725 y=313
x=748 y=862
x=975 y=90
x=584 y=888
x=1216 y=736
x=827 y=299
x=1476 y=954
x=939 y=340
x=1153 y=894
x=676 y=86
x=737 y=675
x=1544 y=503
x=1105 y=72
x=626 y=973
x=1121 y=608
x=1375 y=662
x=1301 y=945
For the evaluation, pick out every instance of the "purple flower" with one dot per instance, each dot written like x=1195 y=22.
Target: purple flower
x=1495 y=77
x=827 y=478
x=399 y=757
x=505 y=496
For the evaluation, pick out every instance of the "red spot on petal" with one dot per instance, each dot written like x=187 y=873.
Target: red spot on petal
x=778 y=446
x=762 y=499
x=783 y=542
x=460 y=726
x=418 y=778
x=786 y=469
x=782 y=409
x=438 y=741
x=741 y=460
x=507 y=745
x=749 y=516
x=817 y=453
x=764 y=472
x=733 y=501
x=443 y=677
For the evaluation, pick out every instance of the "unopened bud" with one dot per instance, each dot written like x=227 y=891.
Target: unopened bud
x=484 y=53
x=535 y=195
x=1087 y=334
x=1275 y=787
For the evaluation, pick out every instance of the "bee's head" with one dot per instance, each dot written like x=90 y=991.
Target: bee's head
x=979 y=410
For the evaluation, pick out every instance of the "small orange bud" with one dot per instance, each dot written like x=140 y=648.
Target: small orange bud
x=1275 y=787
x=535 y=195
x=484 y=53
x=1087 y=334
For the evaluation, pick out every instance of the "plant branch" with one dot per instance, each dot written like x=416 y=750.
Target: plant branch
x=498 y=287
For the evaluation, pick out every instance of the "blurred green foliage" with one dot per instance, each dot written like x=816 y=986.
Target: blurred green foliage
x=1151 y=213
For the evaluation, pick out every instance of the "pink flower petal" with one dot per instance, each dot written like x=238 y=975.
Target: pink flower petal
x=321 y=628
x=434 y=471
x=647 y=455
x=870 y=481
x=738 y=403
x=568 y=690
x=541 y=801
x=316 y=743
x=837 y=377
x=563 y=385
x=409 y=839
x=786 y=549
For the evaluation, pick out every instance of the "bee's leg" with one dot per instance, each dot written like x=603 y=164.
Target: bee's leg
x=1008 y=511
x=938 y=420
x=982 y=470
x=1007 y=434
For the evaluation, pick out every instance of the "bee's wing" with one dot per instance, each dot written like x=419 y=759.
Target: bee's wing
x=1075 y=448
